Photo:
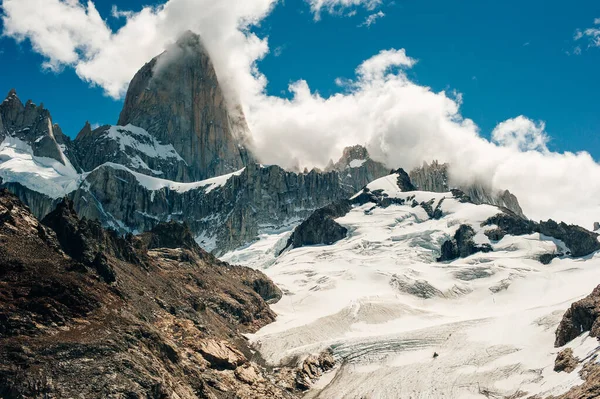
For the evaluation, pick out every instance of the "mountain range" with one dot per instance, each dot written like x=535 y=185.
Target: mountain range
x=358 y=280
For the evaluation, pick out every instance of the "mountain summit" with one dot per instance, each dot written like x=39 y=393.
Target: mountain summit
x=175 y=123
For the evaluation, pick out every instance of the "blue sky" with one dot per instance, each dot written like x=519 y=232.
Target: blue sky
x=506 y=58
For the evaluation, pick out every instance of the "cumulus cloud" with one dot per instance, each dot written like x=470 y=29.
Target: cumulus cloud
x=72 y=33
x=401 y=122
x=522 y=134
x=372 y=18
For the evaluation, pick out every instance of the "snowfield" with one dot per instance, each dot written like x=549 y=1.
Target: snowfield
x=382 y=303
x=41 y=174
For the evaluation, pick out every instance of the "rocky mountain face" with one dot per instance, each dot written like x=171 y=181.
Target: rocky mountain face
x=87 y=313
x=224 y=216
x=177 y=102
x=356 y=168
x=435 y=177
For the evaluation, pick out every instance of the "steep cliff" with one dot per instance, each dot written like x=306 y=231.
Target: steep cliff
x=176 y=110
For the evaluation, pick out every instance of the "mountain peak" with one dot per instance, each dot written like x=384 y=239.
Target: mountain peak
x=177 y=99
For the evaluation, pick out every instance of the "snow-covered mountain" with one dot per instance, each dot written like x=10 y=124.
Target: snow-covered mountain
x=403 y=323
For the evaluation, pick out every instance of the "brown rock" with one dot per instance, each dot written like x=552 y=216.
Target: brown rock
x=565 y=361
x=581 y=317
x=221 y=354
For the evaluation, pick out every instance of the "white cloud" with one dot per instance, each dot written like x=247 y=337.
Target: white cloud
x=521 y=134
x=376 y=66
x=592 y=34
x=70 y=33
x=372 y=18
x=402 y=122
x=338 y=6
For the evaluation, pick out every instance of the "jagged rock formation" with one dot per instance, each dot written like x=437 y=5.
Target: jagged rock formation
x=33 y=126
x=168 y=324
x=435 y=177
x=356 y=168
x=581 y=317
x=178 y=101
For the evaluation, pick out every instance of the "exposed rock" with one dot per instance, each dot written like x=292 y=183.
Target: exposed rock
x=462 y=245
x=565 y=361
x=581 y=317
x=404 y=182
x=170 y=326
x=320 y=227
x=431 y=177
x=590 y=389
x=546 y=259
x=221 y=354
x=508 y=223
x=356 y=168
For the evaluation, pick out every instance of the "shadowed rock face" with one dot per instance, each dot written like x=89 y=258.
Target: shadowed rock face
x=167 y=324
x=177 y=98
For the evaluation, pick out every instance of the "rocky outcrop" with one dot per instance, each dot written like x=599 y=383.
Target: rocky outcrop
x=169 y=325
x=320 y=227
x=356 y=168
x=581 y=317
x=462 y=245
x=177 y=99
x=579 y=241
x=313 y=367
x=435 y=177
x=565 y=361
